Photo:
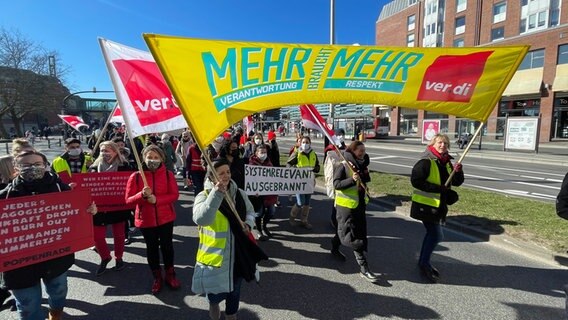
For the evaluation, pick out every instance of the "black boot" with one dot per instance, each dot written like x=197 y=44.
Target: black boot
x=335 y=249
x=365 y=271
x=265 y=221
x=258 y=223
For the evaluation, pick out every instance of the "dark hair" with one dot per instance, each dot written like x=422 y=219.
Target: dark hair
x=117 y=139
x=354 y=145
x=216 y=164
x=72 y=140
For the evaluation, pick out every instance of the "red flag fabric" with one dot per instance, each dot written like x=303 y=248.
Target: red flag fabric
x=312 y=119
x=117 y=115
x=145 y=100
x=74 y=121
x=248 y=122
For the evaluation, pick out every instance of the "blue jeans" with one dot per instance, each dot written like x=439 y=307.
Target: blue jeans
x=265 y=211
x=303 y=199
x=434 y=235
x=28 y=300
x=232 y=298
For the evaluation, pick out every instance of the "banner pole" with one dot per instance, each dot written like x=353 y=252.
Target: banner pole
x=469 y=144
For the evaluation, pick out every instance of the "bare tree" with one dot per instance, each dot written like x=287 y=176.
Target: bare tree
x=25 y=84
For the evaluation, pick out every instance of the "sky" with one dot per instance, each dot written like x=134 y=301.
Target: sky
x=71 y=27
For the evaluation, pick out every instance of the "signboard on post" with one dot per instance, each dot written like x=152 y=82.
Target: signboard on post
x=430 y=128
x=522 y=133
x=261 y=180
x=42 y=227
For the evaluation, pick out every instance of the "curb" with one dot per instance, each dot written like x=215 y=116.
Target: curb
x=521 y=247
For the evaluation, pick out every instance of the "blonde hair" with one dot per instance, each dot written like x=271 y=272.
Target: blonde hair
x=440 y=136
x=20 y=145
x=6 y=168
x=114 y=147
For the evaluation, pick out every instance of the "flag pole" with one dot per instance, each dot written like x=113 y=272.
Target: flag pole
x=337 y=150
x=126 y=121
x=470 y=143
x=100 y=137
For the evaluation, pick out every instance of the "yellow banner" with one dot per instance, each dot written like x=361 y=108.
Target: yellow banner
x=217 y=83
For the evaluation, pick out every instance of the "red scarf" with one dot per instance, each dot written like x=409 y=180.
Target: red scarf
x=444 y=158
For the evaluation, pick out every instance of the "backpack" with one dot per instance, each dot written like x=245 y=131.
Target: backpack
x=332 y=162
x=562 y=199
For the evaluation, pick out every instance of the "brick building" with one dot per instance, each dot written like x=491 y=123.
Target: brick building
x=539 y=87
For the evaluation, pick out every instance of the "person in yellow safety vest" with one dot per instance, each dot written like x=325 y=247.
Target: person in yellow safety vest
x=303 y=157
x=431 y=197
x=226 y=255
x=73 y=160
x=349 y=181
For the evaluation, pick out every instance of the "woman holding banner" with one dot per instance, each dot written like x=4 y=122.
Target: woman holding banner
x=303 y=157
x=431 y=197
x=226 y=255
x=34 y=177
x=349 y=181
x=110 y=160
x=155 y=214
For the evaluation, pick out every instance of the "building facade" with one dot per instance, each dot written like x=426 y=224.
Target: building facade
x=538 y=88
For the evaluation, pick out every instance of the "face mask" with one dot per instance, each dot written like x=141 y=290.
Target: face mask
x=235 y=153
x=262 y=156
x=32 y=173
x=106 y=157
x=74 y=152
x=185 y=139
x=305 y=146
x=153 y=164
x=257 y=141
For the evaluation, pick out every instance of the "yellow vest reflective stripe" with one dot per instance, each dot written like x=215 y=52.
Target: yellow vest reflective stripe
x=349 y=197
x=60 y=165
x=304 y=161
x=431 y=199
x=212 y=241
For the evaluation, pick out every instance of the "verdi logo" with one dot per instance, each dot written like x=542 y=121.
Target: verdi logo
x=453 y=78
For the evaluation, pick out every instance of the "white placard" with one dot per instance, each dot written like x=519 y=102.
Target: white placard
x=522 y=133
x=260 y=180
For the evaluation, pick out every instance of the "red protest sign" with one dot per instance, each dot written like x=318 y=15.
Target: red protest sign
x=107 y=189
x=42 y=227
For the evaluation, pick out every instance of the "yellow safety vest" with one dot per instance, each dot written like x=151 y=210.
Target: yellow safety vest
x=212 y=241
x=304 y=161
x=431 y=199
x=349 y=197
x=59 y=165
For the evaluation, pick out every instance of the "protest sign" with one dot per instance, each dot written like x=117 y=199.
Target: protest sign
x=42 y=227
x=261 y=180
x=107 y=189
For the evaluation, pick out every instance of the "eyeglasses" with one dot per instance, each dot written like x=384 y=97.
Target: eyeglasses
x=29 y=165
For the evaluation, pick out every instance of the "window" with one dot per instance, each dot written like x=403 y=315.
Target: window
x=460 y=25
x=461 y=5
x=523 y=26
x=410 y=40
x=524 y=3
x=499 y=11
x=459 y=43
x=554 y=15
x=497 y=33
x=411 y=2
x=411 y=22
x=533 y=59
x=563 y=54
x=532 y=21
x=541 y=18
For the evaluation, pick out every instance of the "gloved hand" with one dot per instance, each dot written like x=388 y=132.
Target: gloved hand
x=458 y=167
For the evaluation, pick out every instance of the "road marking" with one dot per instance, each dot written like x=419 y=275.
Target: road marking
x=514 y=192
x=515 y=169
x=536 y=185
x=382 y=157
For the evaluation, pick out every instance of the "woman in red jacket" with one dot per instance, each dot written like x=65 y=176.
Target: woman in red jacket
x=155 y=213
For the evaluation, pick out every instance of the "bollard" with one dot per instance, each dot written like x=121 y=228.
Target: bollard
x=7 y=150
x=48 y=144
x=59 y=142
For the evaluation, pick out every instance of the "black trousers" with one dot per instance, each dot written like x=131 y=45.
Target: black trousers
x=159 y=238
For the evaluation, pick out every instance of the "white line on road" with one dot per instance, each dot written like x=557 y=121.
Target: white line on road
x=514 y=192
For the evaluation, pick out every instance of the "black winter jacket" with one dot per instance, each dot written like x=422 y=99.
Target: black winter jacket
x=420 y=173
x=112 y=217
x=29 y=276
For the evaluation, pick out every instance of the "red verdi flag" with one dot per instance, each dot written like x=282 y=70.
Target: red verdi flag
x=74 y=121
x=312 y=119
x=146 y=102
x=117 y=115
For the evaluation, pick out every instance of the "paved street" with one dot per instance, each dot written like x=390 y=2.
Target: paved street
x=301 y=280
